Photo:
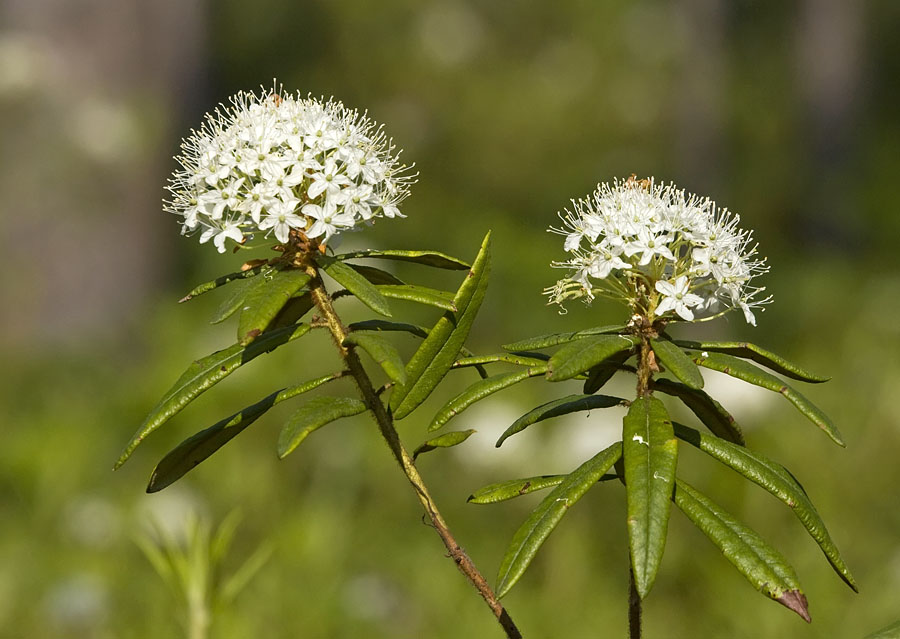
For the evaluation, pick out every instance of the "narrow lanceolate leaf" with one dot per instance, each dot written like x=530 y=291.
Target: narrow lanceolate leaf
x=479 y=390
x=543 y=519
x=759 y=355
x=650 y=452
x=375 y=275
x=205 y=373
x=761 y=565
x=443 y=441
x=555 y=339
x=265 y=298
x=428 y=258
x=440 y=349
x=501 y=491
x=586 y=352
x=359 y=286
x=312 y=416
x=888 y=632
x=189 y=453
x=386 y=326
x=293 y=311
x=232 y=304
x=602 y=373
x=710 y=412
x=519 y=359
x=382 y=351
x=679 y=364
x=206 y=287
x=778 y=481
x=562 y=406
x=420 y=294
x=749 y=373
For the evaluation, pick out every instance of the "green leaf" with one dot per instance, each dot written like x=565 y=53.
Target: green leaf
x=437 y=352
x=420 y=294
x=890 y=632
x=555 y=339
x=650 y=452
x=375 y=275
x=293 y=311
x=543 y=519
x=265 y=298
x=358 y=285
x=599 y=375
x=231 y=304
x=778 y=481
x=206 y=287
x=749 y=373
x=205 y=373
x=428 y=258
x=479 y=390
x=384 y=325
x=759 y=355
x=710 y=412
x=519 y=359
x=679 y=364
x=586 y=352
x=195 y=449
x=504 y=490
x=761 y=565
x=562 y=406
x=312 y=416
x=444 y=441
x=382 y=351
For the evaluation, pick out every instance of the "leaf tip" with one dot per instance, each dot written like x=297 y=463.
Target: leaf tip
x=796 y=601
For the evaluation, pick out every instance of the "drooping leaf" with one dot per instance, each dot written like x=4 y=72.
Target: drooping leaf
x=602 y=373
x=267 y=295
x=650 y=453
x=519 y=359
x=748 y=372
x=375 y=275
x=198 y=447
x=206 y=287
x=359 y=286
x=312 y=416
x=443 y=441
x=761 y=565
x=428 y=258
x=205 y=373
x=562 y=406
x=584 y=353
x=543 y=519
x=387 y=326
x=759 y=355
x=501 y=491
x=555 y=339
x=718 y=420
x=293 y=311
x=420 y=294
x=778 y=481
x=382 y=351
x=479 y=390
x=679 y=364
x=437 y=353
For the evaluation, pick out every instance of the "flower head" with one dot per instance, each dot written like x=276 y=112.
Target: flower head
x=662 y=251
x=273 y=163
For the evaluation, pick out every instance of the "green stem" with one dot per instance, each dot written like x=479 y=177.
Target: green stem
x=386 y=425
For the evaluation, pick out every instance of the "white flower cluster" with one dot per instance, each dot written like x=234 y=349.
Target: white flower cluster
x=660 y=250
x=274 y=163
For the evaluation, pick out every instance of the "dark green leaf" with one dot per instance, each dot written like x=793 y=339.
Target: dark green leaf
x=444 y=441
x=375 y=275
x=438 y=351
x=586 y=352
x=382 y=351
x=206 y=287
x=759 y=355
x=749 y=373
x=718 y=420
x=479 y=390
x=778 y=481
x=504 y=490
x=428 y=258
x=599 y=375
x=519 y=359
x=312 y=416
x=762 y=565
x=420 y=294
x=650 y=452
x=293 y=311
x=679 y=364
x=195 y=449
x=205 y=373
x=267 y=295
x=555 y=339
x=358 y=285
x=231 y=304
x=384 y=325
x=541 y=522
x=562 y=406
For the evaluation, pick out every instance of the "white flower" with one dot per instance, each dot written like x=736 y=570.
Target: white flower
x=253 y=163
x=676 y=297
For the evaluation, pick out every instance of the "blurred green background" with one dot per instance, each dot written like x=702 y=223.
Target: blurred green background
x=784 y=112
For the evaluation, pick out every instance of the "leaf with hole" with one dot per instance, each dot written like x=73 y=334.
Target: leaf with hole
x=679 y=364
x=312 y=416
x=265 y=298
x=382 y=351
x=443 y=441
x=428 y=258
x=562 y=406
x=359 y=286
x=584 y=353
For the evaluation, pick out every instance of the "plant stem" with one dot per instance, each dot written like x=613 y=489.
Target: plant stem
x=386 y=425
x=634 y=608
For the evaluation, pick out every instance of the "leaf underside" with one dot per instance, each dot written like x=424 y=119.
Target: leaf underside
x=446 y=440
x=428 y=258
x=759 y=355
x=710 y=412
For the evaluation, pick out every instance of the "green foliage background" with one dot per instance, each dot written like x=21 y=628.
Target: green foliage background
x=508 y=109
